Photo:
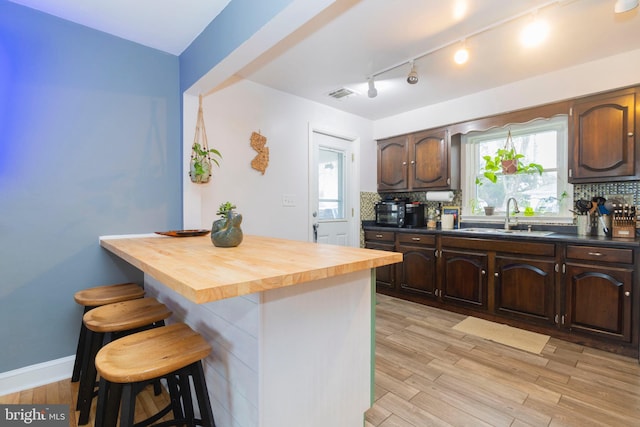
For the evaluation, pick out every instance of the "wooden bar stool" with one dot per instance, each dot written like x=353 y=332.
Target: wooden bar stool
x=106 y=323
x=126 y=365
x=95 y=297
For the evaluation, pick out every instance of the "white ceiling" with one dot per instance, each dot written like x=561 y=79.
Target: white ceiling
x=353 y=39
x=167 y=25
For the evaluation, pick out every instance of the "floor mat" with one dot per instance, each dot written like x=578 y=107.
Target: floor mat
x=507 y=335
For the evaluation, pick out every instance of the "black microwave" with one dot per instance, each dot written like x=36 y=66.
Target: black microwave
x=390 y=213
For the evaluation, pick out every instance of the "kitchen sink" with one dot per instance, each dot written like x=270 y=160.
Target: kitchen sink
x=499 y=231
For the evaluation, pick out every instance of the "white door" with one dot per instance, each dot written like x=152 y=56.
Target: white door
x=332 y=189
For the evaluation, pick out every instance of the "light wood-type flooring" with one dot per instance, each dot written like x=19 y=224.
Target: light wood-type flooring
x=66 y=392
x=428 y=374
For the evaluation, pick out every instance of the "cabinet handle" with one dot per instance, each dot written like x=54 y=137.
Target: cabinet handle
x=379 y=236
x=627 y=293
x=413 y=162
x=630 y=134
x=496 y=274
x=483 y=272
x=555 y=319
x=415 y=239
x=594 y=253
x=562 y=319
x=404 y=163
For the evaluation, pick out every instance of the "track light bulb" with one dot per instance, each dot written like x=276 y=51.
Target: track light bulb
x=622 y=6
x=534 y=33
x=373 y=92
x=412 y=78
x=461 y=56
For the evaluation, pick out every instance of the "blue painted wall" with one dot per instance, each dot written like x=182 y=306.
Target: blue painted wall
x=89 y=145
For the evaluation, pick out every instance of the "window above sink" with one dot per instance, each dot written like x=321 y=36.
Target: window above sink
x=548 y=196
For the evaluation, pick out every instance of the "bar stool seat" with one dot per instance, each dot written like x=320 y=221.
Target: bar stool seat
x=95 y=297
x=108 y=294
x=106 y=323
x=172 y=352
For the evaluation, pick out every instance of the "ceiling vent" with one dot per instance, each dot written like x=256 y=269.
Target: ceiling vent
x=341 y=93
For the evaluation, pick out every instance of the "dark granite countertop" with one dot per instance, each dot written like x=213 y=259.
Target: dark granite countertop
x=556 y=234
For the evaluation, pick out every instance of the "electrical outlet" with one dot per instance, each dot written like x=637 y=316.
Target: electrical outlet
x=289 y=200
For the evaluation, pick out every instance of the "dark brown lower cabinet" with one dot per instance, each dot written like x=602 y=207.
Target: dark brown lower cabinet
x=417 y=273
x=598 y=301
x=464 y=278
x=525 y=288
x=577 y=292
x=599 y=293
x=385 y=275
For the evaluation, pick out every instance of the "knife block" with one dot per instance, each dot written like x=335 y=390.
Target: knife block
x=623 y=223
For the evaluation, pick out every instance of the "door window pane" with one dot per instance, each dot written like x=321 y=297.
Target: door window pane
x=330 y=184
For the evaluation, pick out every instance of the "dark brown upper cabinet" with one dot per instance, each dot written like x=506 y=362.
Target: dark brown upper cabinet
x=602 y=138
x=425 y=160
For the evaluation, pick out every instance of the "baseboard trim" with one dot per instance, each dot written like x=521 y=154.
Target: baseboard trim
x=36 y=375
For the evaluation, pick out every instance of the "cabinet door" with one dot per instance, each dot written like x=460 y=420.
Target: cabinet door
x=598 y=300
x=525 y=289
x=429 y=165
x=385 y=275
x=464 y=278
x=417 y=273
x=602 y=144
x=392 y=164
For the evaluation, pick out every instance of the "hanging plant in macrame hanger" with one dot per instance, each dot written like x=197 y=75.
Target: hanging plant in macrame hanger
x=510 y=157
x=201 y=154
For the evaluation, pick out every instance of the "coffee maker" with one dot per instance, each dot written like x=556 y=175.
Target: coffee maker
x=414 y=215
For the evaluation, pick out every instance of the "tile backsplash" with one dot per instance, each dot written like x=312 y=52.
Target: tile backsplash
x=580 y=191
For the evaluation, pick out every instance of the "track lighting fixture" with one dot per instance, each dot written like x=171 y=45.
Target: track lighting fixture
x=412 y=78
x=373 y=92
x=534 y=34
x=622 y=6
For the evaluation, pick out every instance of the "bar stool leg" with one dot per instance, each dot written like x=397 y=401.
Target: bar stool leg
x=174 y=394
x=112 y=406
x=80 y=351
x=128 y=405
x=204 y=403
x=88 y=377
x=185 y=393
x=103 y=391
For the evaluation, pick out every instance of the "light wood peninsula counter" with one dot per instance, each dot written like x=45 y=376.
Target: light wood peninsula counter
x=291 y=323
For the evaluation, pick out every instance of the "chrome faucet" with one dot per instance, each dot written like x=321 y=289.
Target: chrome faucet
x=507 y=224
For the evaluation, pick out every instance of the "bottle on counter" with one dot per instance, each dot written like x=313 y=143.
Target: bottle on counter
x=431 y=219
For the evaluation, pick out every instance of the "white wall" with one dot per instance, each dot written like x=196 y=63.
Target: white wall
x=596 y=76
x=231 y=115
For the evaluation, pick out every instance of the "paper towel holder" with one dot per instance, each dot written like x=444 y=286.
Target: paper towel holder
x=439 y=196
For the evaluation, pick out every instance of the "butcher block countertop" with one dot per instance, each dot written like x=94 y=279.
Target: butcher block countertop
x=201 y=272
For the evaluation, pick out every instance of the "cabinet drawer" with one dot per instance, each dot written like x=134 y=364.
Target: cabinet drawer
x=386 y=236
x=594 y=253
x=415 y=238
